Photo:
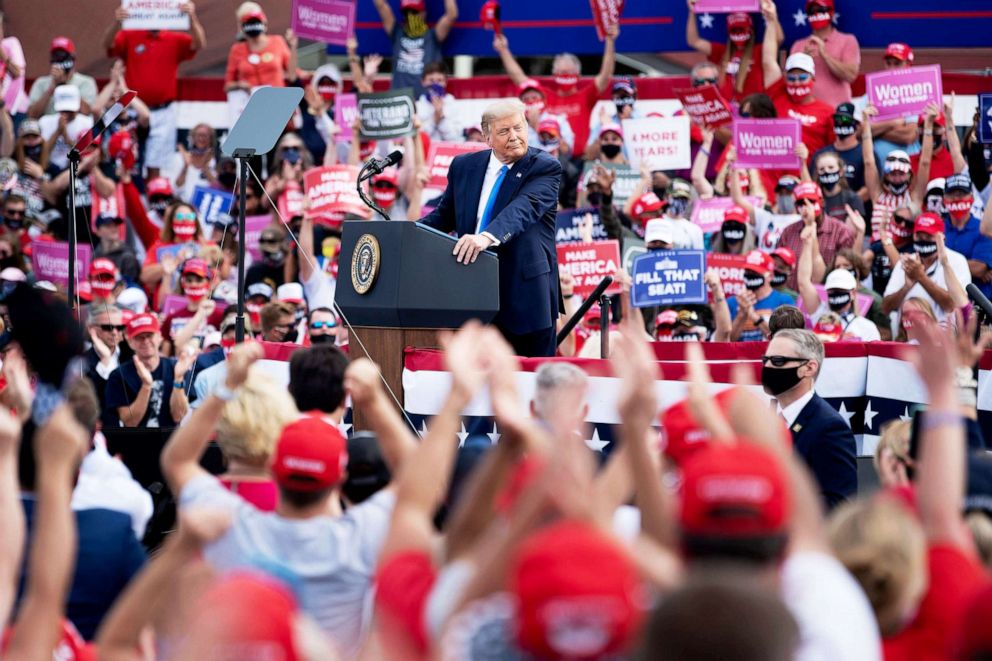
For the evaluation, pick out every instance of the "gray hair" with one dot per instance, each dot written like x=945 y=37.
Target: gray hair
x=694 y=73
x=498 y=110
x=94 y=310
x=571 y=59
x=552 y=378
x=808 y=345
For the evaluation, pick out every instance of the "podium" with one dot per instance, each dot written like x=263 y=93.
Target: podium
x=398 y=284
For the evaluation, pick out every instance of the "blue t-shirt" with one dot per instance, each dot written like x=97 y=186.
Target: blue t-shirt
x=763 y=307
x=971 y=243
x=410 y=55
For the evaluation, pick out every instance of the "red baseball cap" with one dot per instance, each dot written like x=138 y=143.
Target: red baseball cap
x=159 y=186
x=647 y=203
x=737 y=490
x=807 y=190
x=103 y=266
x=759 y=262
x=85 y=290
x=63 y=43
x=119 y=144
x=829 y=4
x=197 y=267
x=785 y=255
x=900 y=51
x=828 y=331
x=578 y=593
x=735 y=213
x=530 y=84
x=311 y=455
x=739 y=20
x=683 y=435
x=939 y=120
x=254 y=15
x=549 y=125
x=142 y=323
x=612 y=127
x=416 y=5
x=928 y=223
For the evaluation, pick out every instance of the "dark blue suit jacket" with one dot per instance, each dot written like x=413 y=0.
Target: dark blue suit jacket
x=523 y=220
x=827 y=444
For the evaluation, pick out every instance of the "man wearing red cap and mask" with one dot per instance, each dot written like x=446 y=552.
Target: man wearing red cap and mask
x=103 y=281
x=831 y=234
x=415 y=45
x=793 y=92
x=962 y=230
x=836 y=55
x=151 y=62
x=751 y=308
x=940 y=150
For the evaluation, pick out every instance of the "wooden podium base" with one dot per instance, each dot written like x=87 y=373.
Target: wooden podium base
x=385 y=347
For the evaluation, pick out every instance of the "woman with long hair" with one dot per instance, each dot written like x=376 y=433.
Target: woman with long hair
x=181 y=226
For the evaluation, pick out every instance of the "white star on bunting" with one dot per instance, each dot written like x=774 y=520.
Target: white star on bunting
x=799 y=17
x=836 y=16
x=344 y=428
x=462 y=435
x=706 y=20
x=845 y=414
x=595 y=443
x=494 y=435
x=423 y=428
x=905 y=415
x=869 y=416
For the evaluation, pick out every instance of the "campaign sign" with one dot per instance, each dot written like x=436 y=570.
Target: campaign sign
x=706 y=106
x=708 y=214
x=387 y=115
x=606 y=14
x=726 y=6
x=627 y=180
x=589 y=263
x=900 y=92
x=179 y=251
x=290 y=202
x=329 y=21
x=767 y=144
x=864 y=301
x=154 y=15
x=440 y=157
x=669 y=277
x=661 y=143
x=730 y=270
x=331 y=194
x=210 y=203
x=253 y=231
x=345 y=111
x=632 y=249
x=569 y=221
x=50 y=261
x=985 y=118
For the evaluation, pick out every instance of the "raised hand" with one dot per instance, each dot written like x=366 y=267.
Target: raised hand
x=636 y=367
x=362 y=381
x=465 y=358
x=855 y=219
x=239 y=361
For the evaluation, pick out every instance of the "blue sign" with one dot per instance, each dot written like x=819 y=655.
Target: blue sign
x=210 y=203
x=669 y=277
x=569 y=222
x=985 y=118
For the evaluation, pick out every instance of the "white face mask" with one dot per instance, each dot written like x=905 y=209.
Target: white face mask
x=35 y=231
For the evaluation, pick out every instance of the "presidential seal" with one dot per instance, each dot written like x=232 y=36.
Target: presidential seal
x=365 y=263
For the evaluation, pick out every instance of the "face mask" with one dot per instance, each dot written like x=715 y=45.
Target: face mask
x=291 y=154
x=779 y=278
x=274 y=257
x=184 y=231
x=786 y=204
x=34 y=153
x=776 y=381
x=66 y=65
x=732 y=231
x=327 y=92
x=102 y=288
x=594 y=198
x=291 y=335
x=567 y=80
x=838 y=301
x=535 y=107
x=196 y=293
x=685 y=337
x=610 y=151
x=550 y=145
x=416 y=26
x=159 y=207
x=799 y=91
x=925 y=248
x=740 y=38
x=35 y=231
x=844 y=130
x=935 y=203
x=753 y=281
x=899 y=230
x=819 y=20
x=829 y=179
x=959 y=209
x=897 y=189
x=677 y=207
x=13 y=223
x=623 y=102
x=660 y=192
x=323 y=339
x=253 y=29
x=227 y=179
x=384 y=197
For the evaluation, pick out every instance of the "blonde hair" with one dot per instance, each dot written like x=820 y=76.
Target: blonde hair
x=251 y=422
x=884 y=548
x=498 y=110
x=920 y=304
x=248 y=8
x=894 y=439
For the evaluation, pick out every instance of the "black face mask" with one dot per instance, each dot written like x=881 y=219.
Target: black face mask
x=839 y=300
x=34 y=153
x=66 y=64
x=898 y=189
x=227 y=179
x=610 y=151
x=159 y=207
x=844 y=130
x=753 y=281
x=290 y=336
x=13 y=223
x=778 y=380
x=660 y=192
x=594 y=199
x=322 y=339
x=732 y=231
x=925 y=248
x=779 y=278
x=253 y=29
x=786 y=204
x=623 y=102
x=829 y=179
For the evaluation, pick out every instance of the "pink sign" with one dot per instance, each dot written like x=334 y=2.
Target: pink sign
x=345 y=112
x=730 y=270
x=441 y=155
x=331 y=193
x=589 y=263
x=253 y=230
x=708 y=214
x=50 y=261
x=329 y=21
x=705 y=105
x=726 y=6
x=767 y=144
x=901 y=92
x=864 y=302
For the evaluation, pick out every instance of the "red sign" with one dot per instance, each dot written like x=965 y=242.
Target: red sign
x=440 y=157
x=589 y=263
x=730 y=269
x=331 y=193
x=705 y=105
x=606 y=14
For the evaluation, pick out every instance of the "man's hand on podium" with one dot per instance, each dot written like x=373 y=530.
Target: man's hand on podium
x=469 y=246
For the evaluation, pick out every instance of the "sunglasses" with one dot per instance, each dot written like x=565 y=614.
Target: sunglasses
x=269 y=242
x=844 y=120
x=897 y=159
x=902 y=220
x=804 y=201
x=109 y=328
x=317 y=325
x=16 y=213
x=184 y=215
x=383 y=185
x=797 y=77
x=780 y=361
x=699 y=82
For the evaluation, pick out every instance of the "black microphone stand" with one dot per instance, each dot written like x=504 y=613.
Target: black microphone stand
x=364 y=174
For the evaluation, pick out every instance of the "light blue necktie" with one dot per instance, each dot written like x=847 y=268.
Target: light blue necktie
x=488 y=211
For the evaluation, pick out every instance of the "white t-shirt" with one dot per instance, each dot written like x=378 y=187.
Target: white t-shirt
x=959 y=265
x=49 y=124
x=853 y=324
x=686 y=235
x=834 y=617
x=333 y=558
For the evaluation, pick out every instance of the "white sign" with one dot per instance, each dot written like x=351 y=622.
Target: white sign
x=662 y=143
x=154 y=15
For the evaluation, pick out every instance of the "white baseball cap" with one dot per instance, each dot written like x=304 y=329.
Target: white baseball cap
x=659 y=229
x=66 y=98
x=291 y=292
x=840 y=279
x=134 y=299
x=801 y=61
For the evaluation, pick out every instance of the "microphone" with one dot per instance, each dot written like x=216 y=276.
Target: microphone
x=374 y=167
x=979 y=299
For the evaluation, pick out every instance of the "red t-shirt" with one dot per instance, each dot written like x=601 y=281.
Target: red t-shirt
x=576 y=107
x=261 y=493
x=177 y=320
x=955 y=577
x=403 y=585
x=816 y=117
x=265 y=67
x=753 y=83
x=152 y=60
x=941 y=166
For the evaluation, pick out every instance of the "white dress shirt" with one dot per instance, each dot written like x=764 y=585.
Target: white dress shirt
x=492 y=171
x=104 y=482
x=792 y=411
x=104 y=370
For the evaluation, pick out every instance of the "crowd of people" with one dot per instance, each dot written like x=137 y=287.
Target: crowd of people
x=719 y=527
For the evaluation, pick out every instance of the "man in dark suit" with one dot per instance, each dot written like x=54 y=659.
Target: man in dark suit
x=789 y=369
x=505 y=199
x=108 y=349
